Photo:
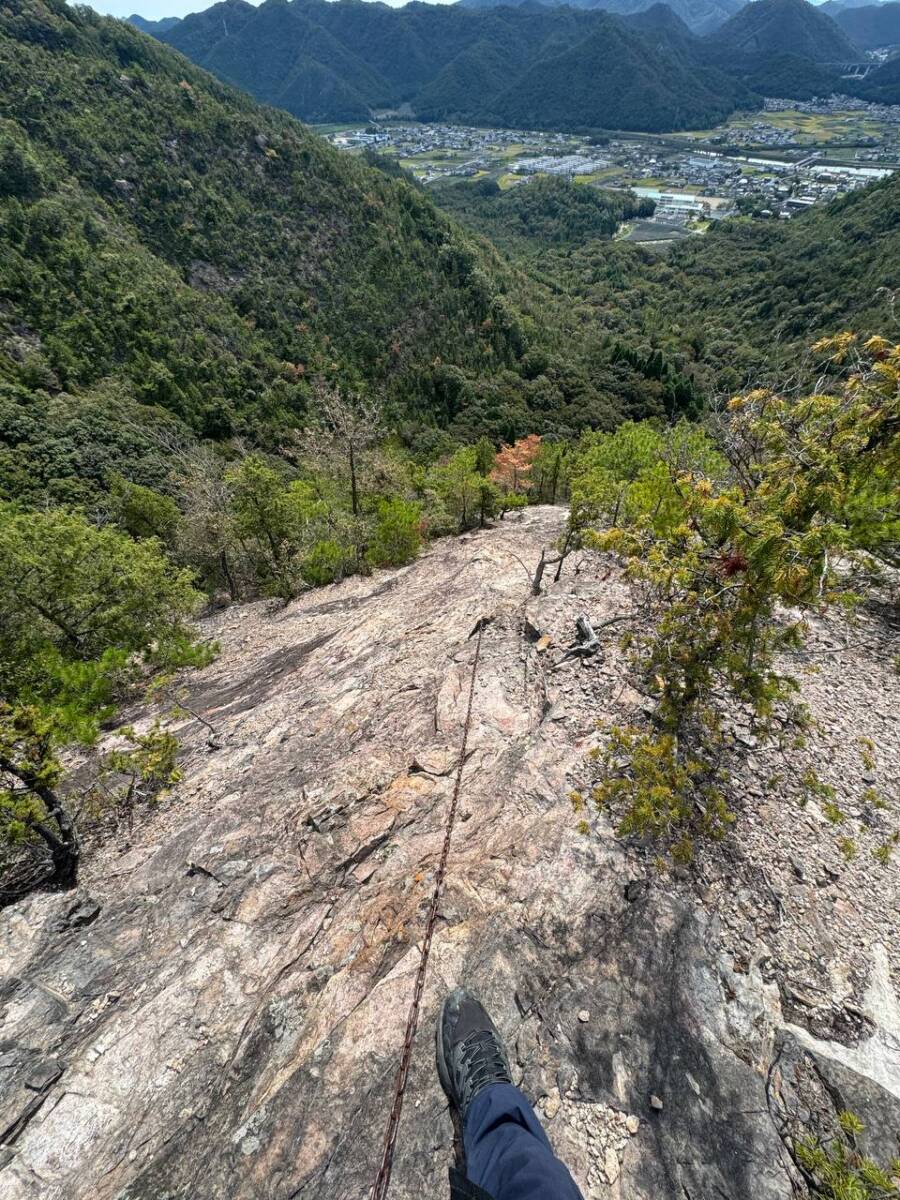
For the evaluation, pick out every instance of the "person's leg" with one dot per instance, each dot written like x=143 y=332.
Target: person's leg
x=507 y=1155
x=507 y=1152
x=463 y=1189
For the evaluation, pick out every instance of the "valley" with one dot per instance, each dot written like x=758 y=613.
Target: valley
x=793 y=156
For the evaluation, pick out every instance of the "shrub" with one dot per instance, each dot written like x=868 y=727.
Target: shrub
x=278 y=522
x=398 y=533
x=834 y=1168
x=83 y=612
x=142 y=512
x=325 y=563
x=731 y=549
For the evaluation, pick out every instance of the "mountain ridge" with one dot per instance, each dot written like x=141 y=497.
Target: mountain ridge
x=701 y=16
x=579 y=69
x=771 y=27
x=871 y=26
x=449 y=62
x=152 y=27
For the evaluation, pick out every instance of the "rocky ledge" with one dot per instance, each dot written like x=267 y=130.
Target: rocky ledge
x=219 y=1009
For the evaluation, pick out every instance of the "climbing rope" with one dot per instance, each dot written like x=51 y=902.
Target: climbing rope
x=383 y=1178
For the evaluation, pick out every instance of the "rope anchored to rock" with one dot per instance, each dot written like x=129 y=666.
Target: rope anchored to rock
x=383 y=1178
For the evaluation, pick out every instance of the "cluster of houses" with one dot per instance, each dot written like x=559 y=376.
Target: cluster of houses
x=714 y=185
x=688 y=185
x=413 y=140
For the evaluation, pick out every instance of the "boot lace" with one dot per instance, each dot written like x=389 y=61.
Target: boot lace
x=483 y=1062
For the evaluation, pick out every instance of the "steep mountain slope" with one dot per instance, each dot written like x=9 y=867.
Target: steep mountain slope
x=740 y=306
x=272 y=51
x=409 y=46
x=615 y=79
x=335 y=61
x=198 y=33
x=161 y=231
x=218 y=1012
x=660 y=20
x=503 y=49
x=873 y=26
x=457 y=91
x=766 y=27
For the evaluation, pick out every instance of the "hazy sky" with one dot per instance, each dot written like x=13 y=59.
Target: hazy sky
x=154 y=9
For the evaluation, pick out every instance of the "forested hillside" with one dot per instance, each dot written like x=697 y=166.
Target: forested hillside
x=174 y=254
x=178 y=263
x=167 y=241
x=533 y=65
x=607 y=80
x=784 y=27
x=546 y=212
x=738 y=306
x=871 y=26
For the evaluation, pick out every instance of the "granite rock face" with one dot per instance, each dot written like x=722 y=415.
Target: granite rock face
x=218 y=1011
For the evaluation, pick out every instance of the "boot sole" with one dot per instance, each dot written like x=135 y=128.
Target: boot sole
x=459 y=1153
x=442 y=1069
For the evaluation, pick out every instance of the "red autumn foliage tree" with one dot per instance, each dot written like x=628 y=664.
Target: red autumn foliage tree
x=513 y=464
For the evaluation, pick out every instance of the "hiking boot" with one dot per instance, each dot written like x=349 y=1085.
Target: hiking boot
x=470 y=1052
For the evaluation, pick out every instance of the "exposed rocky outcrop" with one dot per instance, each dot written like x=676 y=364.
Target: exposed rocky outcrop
x=218 y=1011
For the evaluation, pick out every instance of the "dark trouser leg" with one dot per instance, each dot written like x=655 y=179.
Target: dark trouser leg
x=507 y=1152
x=463 y=1189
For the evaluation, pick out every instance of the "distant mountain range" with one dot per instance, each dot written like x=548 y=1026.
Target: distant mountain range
x=528 y=64
x=700 y=16
x=871 y=26
x=775 y=27
x=835 y=6
x=532 y=65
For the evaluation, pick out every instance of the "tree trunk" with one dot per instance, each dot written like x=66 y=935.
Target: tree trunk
x=229 y=579
x=615 y=519
x=66 y=852
x=544 y=563
x=354 y=496
x=64 y=846
x=563 y=555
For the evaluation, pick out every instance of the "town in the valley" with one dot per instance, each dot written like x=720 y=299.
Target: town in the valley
x=770 y=164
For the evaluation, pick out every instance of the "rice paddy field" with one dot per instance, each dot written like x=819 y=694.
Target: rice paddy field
x=847 y=127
